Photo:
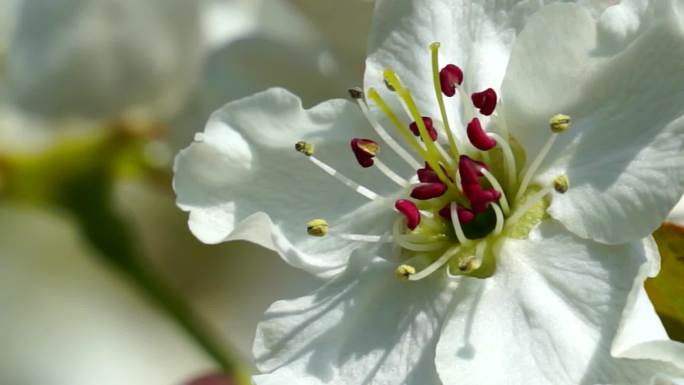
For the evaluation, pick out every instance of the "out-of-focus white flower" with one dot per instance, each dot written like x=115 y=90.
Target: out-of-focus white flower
x=551 y=310
x=104 y=58
x=69 y=320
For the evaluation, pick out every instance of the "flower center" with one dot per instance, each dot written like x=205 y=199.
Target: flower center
x=466 y=194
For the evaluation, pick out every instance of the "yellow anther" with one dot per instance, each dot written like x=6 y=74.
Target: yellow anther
x=356 y=93
x=305 y=148
x=405 y=271
x=561 y=183
x=559 y=123
x=317 y=227
x=389 y=85
x=469 y=263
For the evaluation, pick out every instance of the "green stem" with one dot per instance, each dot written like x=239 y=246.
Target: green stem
x=89 y=199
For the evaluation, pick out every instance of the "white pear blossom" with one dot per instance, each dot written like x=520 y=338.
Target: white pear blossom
x=490 y=240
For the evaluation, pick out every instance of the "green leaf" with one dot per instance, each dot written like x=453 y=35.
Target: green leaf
x=667 y=289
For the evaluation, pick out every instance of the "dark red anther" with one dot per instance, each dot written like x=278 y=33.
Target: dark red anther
x=485 y=101
x=449 y=77
x=426 y=175
x=428 y=126
x=409 y=210
x=428 y=191
x=480 y=198
x=364 y=150
x=464 y=215
x=478 y=137
x=469 y=171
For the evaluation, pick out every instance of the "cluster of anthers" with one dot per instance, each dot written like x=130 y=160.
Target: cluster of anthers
x=457 y=208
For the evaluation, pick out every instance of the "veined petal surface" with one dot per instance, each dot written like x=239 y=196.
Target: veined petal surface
x=548 y=316
x=623 y=151
x=243 y=179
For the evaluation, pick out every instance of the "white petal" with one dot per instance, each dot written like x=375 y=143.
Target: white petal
x=367 y=326
x=101 y=59
x=245 y=165
x=641 y=334
x=475 y=35
x=623 y=152
x=677 y=214
x=547 y=316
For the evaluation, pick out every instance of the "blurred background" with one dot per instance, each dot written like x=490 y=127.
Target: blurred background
x=100 y=280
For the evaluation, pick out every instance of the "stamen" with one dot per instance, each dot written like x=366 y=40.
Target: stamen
x=445 y=81
x=529 y=203
x=464 y=215
x=441 y=261
x=426 y=175
x=509 y=160
x=455 y=221
x=407 y=243
x=499 y=220
x=478 y=137
x=467 y=171
x=308 y=150
x=405 y=96
x=495 y=184
x=305 y=148
x=317 y=227
x=428 y=191
x=364 y=150
x=485 y=101
x=409 y=137
x=449 y=77
x=410 y=212
x=386 y=238
x=480 y=198
x=401 y=182
x=357 y=95
x=428 y=125
x=558 y=123
x=561 y=184
x=405 y=271
x=473 y=262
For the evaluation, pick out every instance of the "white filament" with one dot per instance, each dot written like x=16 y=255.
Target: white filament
x=529 y=173
x=499 y=220
x=386 y=238
x=457 y=224
x=531 y=201
x=348 y=182
x=509 y=159
x=495 y=184
x=441 y=261
x=386 y=137
x=393 y=176
x=402 y=240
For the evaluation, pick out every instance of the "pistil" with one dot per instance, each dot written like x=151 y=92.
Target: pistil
x=445 y=81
